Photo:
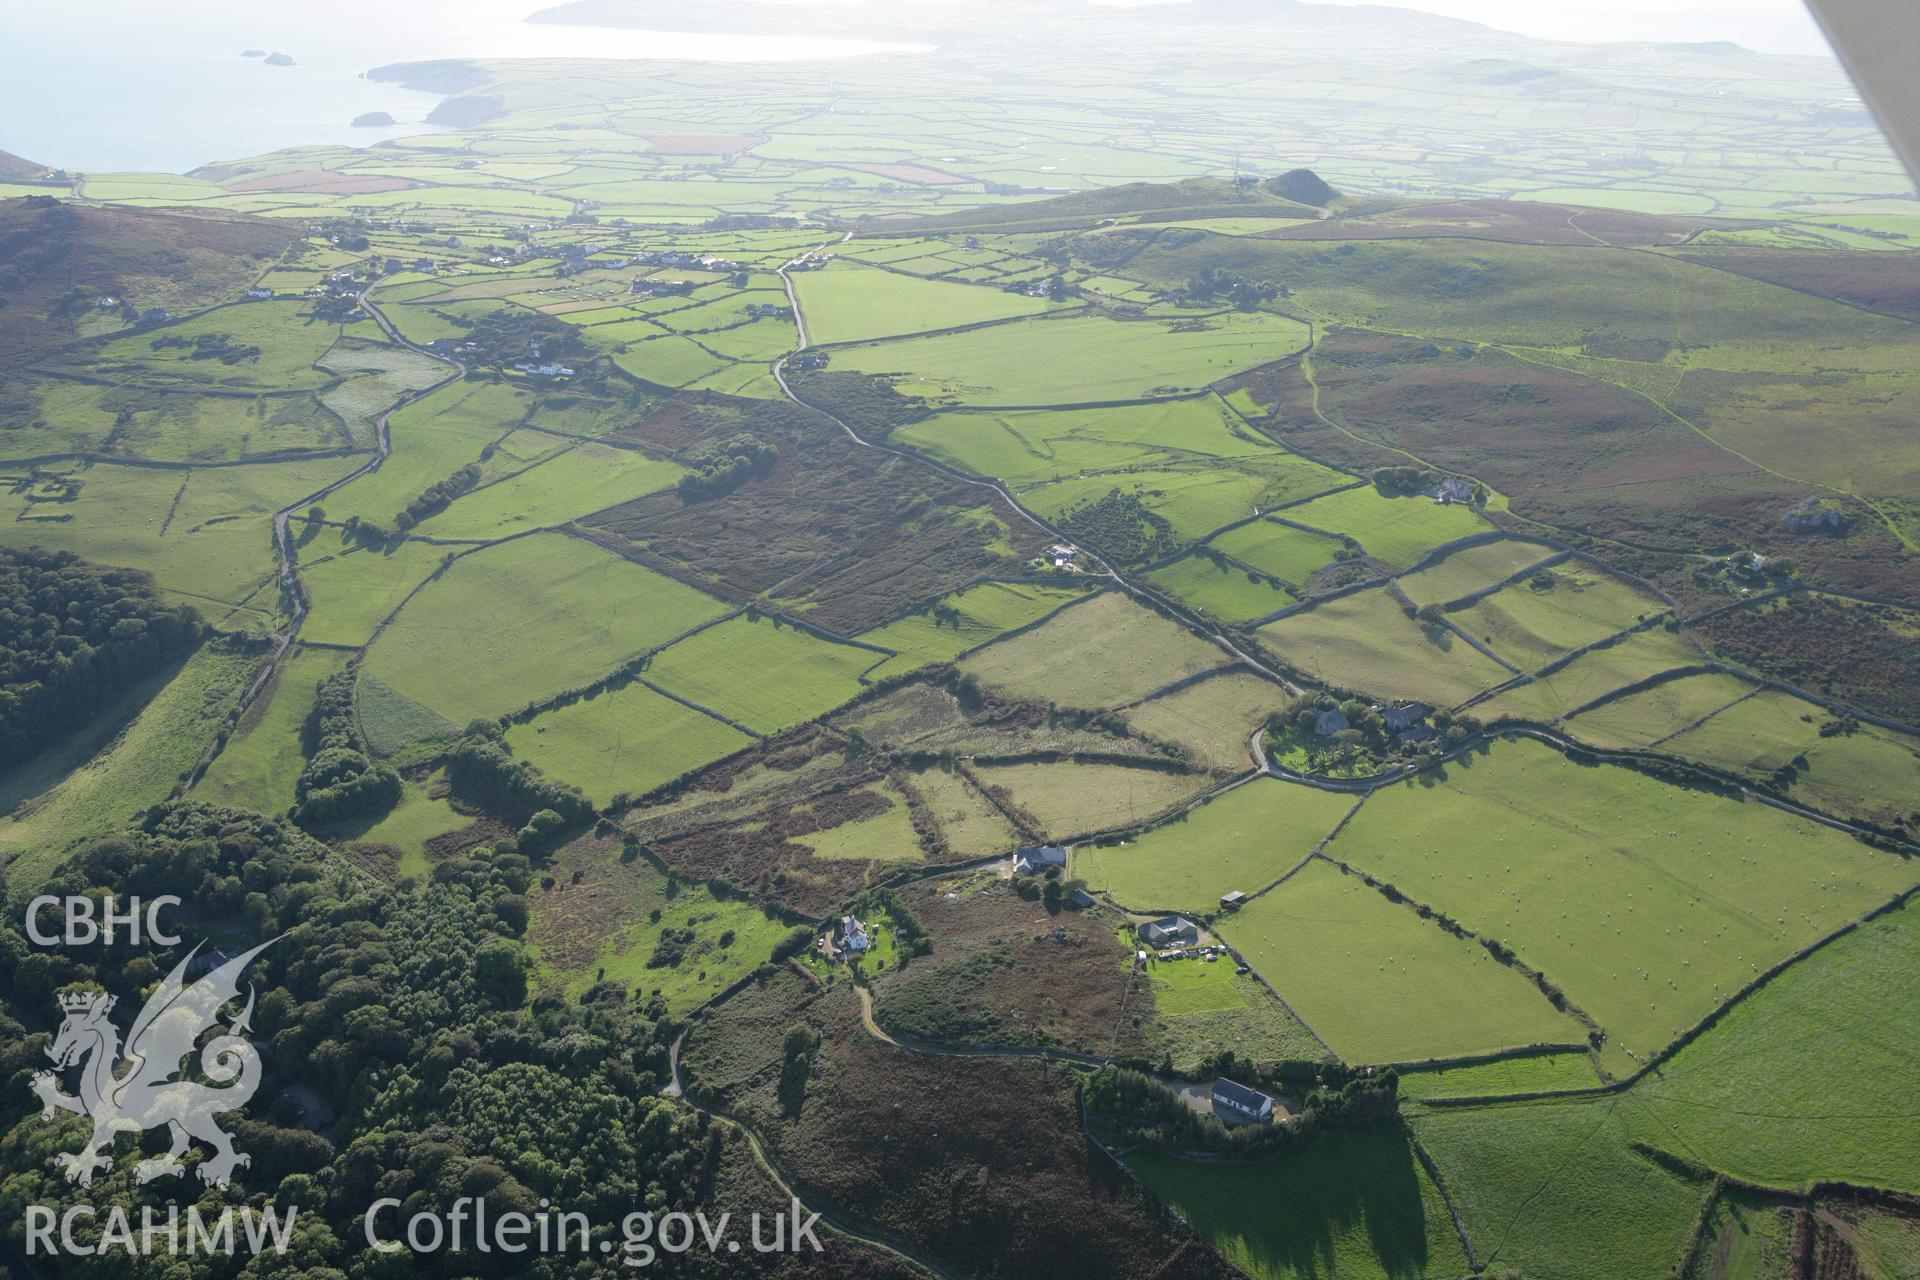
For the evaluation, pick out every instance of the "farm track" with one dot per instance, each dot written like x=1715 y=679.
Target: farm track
x=288 y=571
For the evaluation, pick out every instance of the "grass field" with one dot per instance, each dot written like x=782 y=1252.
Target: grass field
x=350 y=590
x=1470 y=569
x=1077 y=359
x=1649 y=905
x=1556 y=1189
x=1199 y=1009
x=1535 y=1073
x=1227 y=591
x=605 y=926
x=848 y=303
x=1195 y=498
x=1590 y=676
x=1643 y=718
x=1818 y=1053
x=762 y=674
x=137 y=769
x=1380 y=984
x=577 y=482
x=206 y=534
x=1213 y=719
x=1030 y=447
x=1353 y=1205
x=1243 y=840
x=1365 y=642
x=886 y=836
x=1292 y=555
x=1106 y=652
x=631 y=739
x=1395 y=531
x=946 y=628
x=1071 y=799
x=511 y=624
x=972 y=826
x=257 y=768
x=407 y=827
x=1530 y=627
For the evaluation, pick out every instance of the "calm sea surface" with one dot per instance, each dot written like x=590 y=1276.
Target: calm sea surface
x=159 y=85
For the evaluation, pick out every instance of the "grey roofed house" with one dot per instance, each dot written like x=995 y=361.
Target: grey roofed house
x=1398 y=718
x=1231 y=900
x=1080 y=898
x=853 y=934
x=1034 y=859
x=1170 y=931
x=1328 y=723
x=1237 y=1104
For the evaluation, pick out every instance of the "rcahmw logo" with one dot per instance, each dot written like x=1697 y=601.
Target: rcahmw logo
x=138 y=1085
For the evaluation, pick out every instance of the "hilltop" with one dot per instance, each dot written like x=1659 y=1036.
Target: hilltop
x=1298 y=194
x=15 y=168
x=58 y=258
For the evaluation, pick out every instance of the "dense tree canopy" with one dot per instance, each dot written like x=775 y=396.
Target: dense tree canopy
x=73 y=637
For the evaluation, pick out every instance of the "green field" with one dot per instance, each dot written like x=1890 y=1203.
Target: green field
x=761 y=673
x=1365 y=642
x=1529 y=626
x=139 y=768
x=849 y=303
x=1349 y=1206
x=1534 y=1073
x=1213 y=719
x=1649 y=905
x=1077 y=359
x=1292 y=555
x=630 y=739
x=1472 y=569
x=1658 y=712
x=1556 y=1189
x=1394 y=531
x=351 y=590
x=1031 y=447
x=263 y=757
x=575 y=945
x=1380 y=984
x=972 y=827
x=1819 y=1054
x=1227 y=591
x=946 y=628
x=577 y=482
x=1072 y=799
x=1590 y=676
x=1106 y=652
x=407 y=827
x=1243 y=840
x=205 y=534
x=508 y=625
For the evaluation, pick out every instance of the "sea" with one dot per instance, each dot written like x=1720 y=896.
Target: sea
x=103 y=86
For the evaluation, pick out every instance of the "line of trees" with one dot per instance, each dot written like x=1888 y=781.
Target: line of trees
x=340 y=780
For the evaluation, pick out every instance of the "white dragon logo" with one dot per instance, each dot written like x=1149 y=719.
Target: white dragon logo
x=148 y=1092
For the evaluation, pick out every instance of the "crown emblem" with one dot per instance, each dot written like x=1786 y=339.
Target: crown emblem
x=84 y=1001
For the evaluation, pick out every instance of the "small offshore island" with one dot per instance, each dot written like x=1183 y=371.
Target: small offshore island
x=280 y=60
x=373 y=120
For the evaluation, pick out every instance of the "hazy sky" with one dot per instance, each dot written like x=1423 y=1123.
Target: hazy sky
x=1773 y=26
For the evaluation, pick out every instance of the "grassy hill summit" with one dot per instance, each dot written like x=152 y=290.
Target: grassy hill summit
x=15 y=168
x=1142 y=201
x=1302 y=186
